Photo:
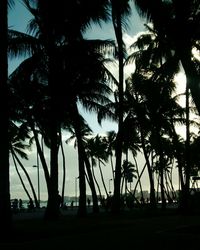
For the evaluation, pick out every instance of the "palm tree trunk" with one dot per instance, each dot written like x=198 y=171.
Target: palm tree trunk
x=122 y=184
x=185 y=196
x=22 y=182
x=42 y=158
x=92 y=186
x=101 y=174
x=82 y=183
x=139 y=180
x=112 y=167
x=5 y=208
x=139 y=177
x=82 y=210
x=64 y=171
x=52 y=212
x=151 y=181
x=117 y=24
x=178 y=155
x=96 y=182
x=162 y=178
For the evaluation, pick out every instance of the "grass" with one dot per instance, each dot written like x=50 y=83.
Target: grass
x=136 y=230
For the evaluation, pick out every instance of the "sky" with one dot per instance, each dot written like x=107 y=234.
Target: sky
x=18 y=17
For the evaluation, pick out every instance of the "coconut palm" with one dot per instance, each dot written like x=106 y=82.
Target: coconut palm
x=86 y=132
x=28 y=99
x=17 y=147
x=166 y=17
x=98 y=151
x=119 y=12
x=65 y=30
x=5 y=208
x=90 y=151
x=160 y=114
x=110 y=139
x=128 y=173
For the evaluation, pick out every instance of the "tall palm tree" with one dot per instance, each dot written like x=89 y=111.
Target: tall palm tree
x=119 y=12
x=5 y=209
x=137 y=118
x=65 y=30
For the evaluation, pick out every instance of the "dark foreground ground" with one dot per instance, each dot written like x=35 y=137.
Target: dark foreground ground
x=130 y=230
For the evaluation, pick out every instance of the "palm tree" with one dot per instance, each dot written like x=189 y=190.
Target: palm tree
x=110 y=139
x=119 y=13
x=28 y=96
x=175 y=26
x=160 y=114
x=128 y=173
x=5 y=208
x=90 y=151
x=138 y=119
x=17 y=147
x=64 y=170
x=85 y=133
x=21 y=179
x=64 y=30
x=98 y=151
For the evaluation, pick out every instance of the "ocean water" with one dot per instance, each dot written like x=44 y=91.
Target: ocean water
x=25 y=203
x=43 y=204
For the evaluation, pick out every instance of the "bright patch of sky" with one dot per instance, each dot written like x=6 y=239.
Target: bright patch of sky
x=106 y=31
x=18 y=18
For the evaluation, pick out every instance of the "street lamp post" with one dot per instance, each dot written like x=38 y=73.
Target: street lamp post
x=76 y=198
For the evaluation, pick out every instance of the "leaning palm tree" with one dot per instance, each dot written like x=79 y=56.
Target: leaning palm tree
x=18 y=147
x=90 y=149
x=98 y=151
x=28 y=93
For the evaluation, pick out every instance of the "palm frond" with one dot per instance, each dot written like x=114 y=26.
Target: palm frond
x=21 y=44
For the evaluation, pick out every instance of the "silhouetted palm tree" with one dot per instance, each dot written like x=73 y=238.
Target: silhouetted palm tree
x=119 y=12
x=128 y=173
x=5 y=208
x=29 y=101
x=17 y=147
x=98 y=151
x=168 y=22
x=65 y=30
x=111 y=139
